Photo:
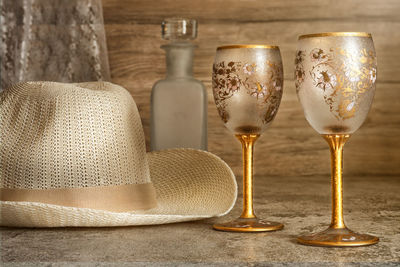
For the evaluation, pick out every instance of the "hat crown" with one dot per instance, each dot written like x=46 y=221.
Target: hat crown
x=57 y=135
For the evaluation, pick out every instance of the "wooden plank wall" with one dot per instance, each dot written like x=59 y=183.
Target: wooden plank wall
x=290 y=147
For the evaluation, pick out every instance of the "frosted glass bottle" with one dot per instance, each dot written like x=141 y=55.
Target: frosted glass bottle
x=179 y=102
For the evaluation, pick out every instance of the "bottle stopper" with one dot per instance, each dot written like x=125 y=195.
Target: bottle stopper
x=179 y=29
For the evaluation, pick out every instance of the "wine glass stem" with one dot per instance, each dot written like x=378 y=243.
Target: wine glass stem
x=336 y=143
x=247 y=141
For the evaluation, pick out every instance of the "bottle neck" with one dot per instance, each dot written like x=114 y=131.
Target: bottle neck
x=179 y=59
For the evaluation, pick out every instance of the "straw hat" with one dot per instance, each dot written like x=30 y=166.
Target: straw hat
x=74 y=155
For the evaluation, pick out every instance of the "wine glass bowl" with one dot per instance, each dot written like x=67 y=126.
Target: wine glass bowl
x=247 y=85
x=335 y=75
x=335 y=80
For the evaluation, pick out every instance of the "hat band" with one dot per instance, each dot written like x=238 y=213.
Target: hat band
x=117 y=198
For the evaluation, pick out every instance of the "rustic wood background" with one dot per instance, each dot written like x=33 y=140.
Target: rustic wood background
x=290 y=147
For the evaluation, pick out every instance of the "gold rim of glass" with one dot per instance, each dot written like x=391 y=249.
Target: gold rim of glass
x=327 y=34
x=248 y=46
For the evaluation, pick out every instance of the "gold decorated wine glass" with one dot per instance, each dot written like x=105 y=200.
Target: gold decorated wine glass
x=247 y=85
x=335 y=83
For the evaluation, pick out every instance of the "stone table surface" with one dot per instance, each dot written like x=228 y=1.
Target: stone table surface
x=371 y=204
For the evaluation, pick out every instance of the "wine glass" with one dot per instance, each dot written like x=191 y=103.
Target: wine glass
x=335 y=83
x=247 y=84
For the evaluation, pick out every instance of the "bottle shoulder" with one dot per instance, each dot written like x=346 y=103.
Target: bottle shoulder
x=183 y=83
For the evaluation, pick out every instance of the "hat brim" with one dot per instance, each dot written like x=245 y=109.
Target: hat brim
x=190 y=185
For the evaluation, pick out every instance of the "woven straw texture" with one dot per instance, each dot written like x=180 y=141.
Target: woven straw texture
x=58 y=135
x=190 y=185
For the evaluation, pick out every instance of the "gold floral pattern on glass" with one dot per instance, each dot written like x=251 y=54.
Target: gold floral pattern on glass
x=299 y=69
x=343 y=75
x=266 y=87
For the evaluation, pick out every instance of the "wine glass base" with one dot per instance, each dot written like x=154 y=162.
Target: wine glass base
x=248 y=225
x=342 y=237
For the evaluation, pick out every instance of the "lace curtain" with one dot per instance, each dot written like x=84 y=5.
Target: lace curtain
x=52 y=40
